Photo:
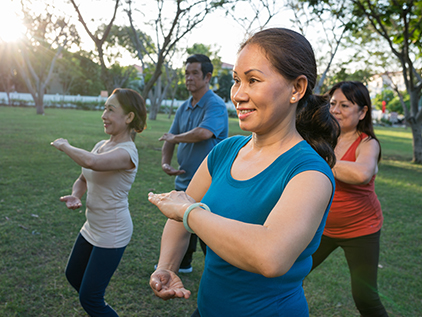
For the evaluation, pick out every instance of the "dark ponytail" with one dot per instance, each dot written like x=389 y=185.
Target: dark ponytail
x=292 y=55
x=318 y=127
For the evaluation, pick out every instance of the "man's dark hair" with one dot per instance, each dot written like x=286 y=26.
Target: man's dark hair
x=206 y=65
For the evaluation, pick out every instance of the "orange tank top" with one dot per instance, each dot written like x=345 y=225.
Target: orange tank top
x=356 y=210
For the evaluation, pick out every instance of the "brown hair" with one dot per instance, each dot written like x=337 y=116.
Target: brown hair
x=292 y=55
x=132 y=101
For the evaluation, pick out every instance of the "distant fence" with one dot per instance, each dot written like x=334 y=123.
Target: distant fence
x=78 y=101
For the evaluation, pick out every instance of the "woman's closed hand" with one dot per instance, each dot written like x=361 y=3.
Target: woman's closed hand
x=59 y=143
x=173 y=205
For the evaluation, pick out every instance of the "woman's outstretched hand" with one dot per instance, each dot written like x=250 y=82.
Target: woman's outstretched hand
x=72 y=202
x=167 y=285
x=173 y=205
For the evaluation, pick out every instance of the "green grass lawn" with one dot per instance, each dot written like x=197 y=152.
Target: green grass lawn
x=37 y=231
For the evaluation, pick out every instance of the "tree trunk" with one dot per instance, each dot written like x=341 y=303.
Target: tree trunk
x=153 y=113
x=155 y=97
x=171 y=108
x=9 y=101
x=417 y=141
x=39 y=104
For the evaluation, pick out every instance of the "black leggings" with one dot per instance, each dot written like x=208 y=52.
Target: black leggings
x=89 y=271
x=362 y=255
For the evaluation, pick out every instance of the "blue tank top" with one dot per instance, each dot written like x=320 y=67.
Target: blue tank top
x=226 y=290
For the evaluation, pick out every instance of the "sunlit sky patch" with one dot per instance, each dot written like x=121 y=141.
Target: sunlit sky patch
x=11 y=28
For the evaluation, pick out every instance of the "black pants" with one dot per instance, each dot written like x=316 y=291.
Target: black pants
x=187 y=259
x=89 y=271
x=362 y=256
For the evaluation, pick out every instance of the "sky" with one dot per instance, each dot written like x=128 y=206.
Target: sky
x=217 y=30
x=221 y=32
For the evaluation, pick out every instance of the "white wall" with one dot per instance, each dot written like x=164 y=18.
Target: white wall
x=69 y=99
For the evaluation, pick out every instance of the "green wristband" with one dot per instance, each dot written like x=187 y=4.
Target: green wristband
x=187 y=212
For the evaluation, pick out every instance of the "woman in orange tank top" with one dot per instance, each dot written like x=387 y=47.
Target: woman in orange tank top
x=355 y=218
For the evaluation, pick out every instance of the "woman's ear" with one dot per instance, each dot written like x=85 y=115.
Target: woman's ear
x=130 y=117
x=300 y=84
x=363 y=111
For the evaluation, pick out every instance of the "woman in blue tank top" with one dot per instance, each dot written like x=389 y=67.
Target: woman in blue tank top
x=259 y=202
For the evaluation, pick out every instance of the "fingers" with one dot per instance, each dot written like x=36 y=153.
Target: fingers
x=71 y=202
x=171 y=171
x=58 y=143
x=180 y=172
x=156 y=198
x=163 y=137
x=164 y=290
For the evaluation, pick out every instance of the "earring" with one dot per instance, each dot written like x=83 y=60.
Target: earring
x=294 y=98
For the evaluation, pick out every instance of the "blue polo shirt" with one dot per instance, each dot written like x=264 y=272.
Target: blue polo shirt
x=209 y=113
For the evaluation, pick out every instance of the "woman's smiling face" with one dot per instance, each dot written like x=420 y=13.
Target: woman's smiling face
x=114 y=118
x=262 y=96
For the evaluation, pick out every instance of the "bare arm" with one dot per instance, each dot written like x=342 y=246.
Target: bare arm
x=270 y=249
x=192 y=136
x=174 y=242
x=166 y=156
x=73 y=201
x=116 y=159
x=363 y=169
x=175 y=238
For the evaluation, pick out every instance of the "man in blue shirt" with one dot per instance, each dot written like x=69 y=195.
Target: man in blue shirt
x=199 y=124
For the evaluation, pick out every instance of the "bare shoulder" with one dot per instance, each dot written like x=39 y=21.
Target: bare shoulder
x=369 y=147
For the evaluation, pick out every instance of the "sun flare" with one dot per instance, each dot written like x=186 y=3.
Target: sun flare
x=11 y=28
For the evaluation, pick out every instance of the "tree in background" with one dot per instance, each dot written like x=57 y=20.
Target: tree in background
x=99 y=37
x=396 y=25
x=169 y=30
x=89 y=83
x=47 y=36
x=252 y=15
x=362 y=75
x=225 y=82
x=7 y=69
x=69 y=71
x=122 y=75
x=387 y=95
x=330 y=16
x=392 y=100
x=399 y=23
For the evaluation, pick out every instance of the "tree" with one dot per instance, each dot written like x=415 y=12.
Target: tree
x=225 y=82
x=252 y=14
x=387 y=95
x=121 y=75
x=7 y=69
x=392 y=100
x=399 y=23
x=99 y=41
x=169 y=30
x=89 y=83
x=362 y=75
x=328 y=15
x=68 y=71
x=47 y=36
